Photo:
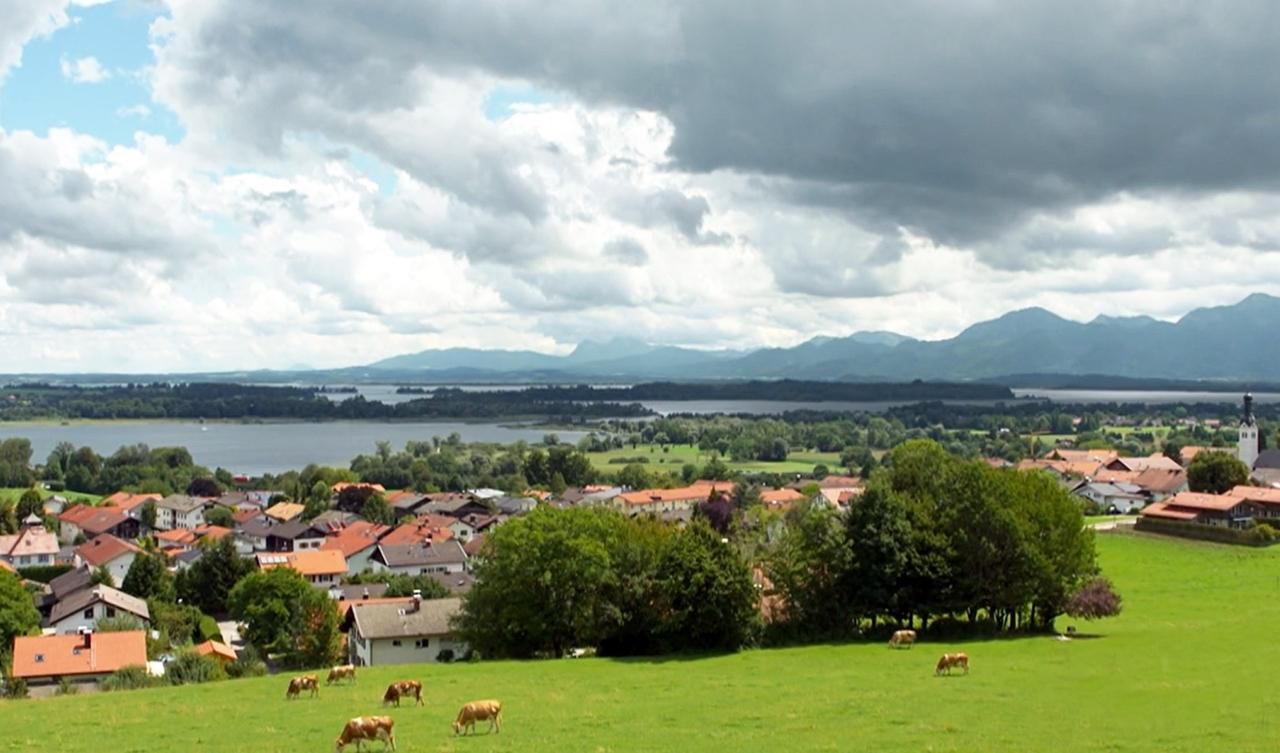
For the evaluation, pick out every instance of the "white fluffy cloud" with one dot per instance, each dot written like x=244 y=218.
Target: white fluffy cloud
x=86 y=70
x=346 y=192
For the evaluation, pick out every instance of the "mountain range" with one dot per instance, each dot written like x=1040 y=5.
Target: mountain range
x=1219 y=343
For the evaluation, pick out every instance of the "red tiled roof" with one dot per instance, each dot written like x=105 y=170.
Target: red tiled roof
x=1161 y=480
x=1163 y=510
x=179 y=536
x=473 y=547
x=104 y=548
x=127 y=501
x=217 y=650
x=1199 y=501
x=307 y=562
x=426 y=528
x=244 y=516
x=211 y=532
x=355 y=538
x=697 y=492
x=780 y=499
x=93 y=520
x=1259 y=494
x=66 y=655
x=341 y=485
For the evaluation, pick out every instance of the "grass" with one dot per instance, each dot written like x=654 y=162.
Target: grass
x=1187 y=667
x=1090 y=519
x=14 y=494
x=676 y=456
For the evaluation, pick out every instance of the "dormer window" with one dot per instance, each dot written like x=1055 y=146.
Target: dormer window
x=39 y=658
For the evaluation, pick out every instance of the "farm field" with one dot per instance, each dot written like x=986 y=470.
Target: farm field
x=1187 y=667
x=677 y=456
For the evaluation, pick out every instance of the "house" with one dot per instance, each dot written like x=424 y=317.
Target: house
x=357 y=542
x=78 y=657
x=252 y=534
x=219 y=651
x=486 y=494
x=1189 y=453
x=419 y=559
x=417 y=632
x=320 y=567
x=295 y=536
x=514 y=505
x=132 y=504
x=1206 y=509
x=184 y=560
x=1112 y=497
x=780 y=499
x=283 y=512
x=179 y=511
x=177 y=539
x=110 y=552
x=31 y=546
x=427 y=528
x=587 y=495
x=467 y=528
x=211 y=533
x=54 y=505
x=1156 y=460
x=1097 y=457
x=455 y=505
x=1266 y=499
x=87 y=521
x=406 y=502
x=72 y=581
x=331 y=520
x=83 y=609
x=1160 y=484
x=357 y=591
x=660 y=500
x=474 y=546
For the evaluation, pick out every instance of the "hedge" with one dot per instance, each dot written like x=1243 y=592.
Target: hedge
x=43 y=573
x=207 y=629
x=1260 y=535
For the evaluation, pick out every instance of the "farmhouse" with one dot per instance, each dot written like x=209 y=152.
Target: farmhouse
x=1208 y=509
x=131 y=503
x=179 y=511
x=77 y=657
x=86 y=521
x=662 y=500
x=83 y=609
x=111 y=552
x=408 y=633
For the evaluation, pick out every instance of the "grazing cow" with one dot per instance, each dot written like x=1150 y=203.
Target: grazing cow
x=902 y=638
x=403 y=689
x=952 y=660
x=367 y=728
x=304 y=682
x=478 y=711
x=344 y=672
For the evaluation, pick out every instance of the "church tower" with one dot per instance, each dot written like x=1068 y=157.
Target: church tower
x=1247 y=449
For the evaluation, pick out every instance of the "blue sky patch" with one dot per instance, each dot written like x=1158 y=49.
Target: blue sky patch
x=500 y=100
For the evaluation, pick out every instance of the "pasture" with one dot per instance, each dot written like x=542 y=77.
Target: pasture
x=13 y=494
x=676 y=456
x=1189 y=666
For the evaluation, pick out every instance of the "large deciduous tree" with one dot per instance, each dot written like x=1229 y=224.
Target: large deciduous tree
x=1216 y=473
x=149 y=578
x=207 y=583
x=18 y=615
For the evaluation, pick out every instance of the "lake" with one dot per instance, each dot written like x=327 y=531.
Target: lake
x=253 y=449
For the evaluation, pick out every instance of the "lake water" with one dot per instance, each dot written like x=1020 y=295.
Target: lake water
x=254 y=449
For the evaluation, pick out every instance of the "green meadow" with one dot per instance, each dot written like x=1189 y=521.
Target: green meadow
x=676 y=456
x=1190 y=666
x=13 y=495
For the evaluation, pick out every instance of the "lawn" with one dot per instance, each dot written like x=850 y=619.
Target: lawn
x=676 y=456
x=1188 y=667
x=14 y=494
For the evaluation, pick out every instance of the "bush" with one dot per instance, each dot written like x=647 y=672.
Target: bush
x=247 y=664
x=15 y=688
x=66 y=687
x=43 y=573
x=207 y=629
x=129 y=678
x=445 y=656
x=1095 y=600
x=190 y=668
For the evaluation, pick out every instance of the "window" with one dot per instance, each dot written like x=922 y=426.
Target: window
x=111 y=612
x=39 y=658
x=395 y=643
x=88 y=613
x=422 y=643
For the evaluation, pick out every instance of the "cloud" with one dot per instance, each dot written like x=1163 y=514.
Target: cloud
x=86 y=70
x=25 y=20
x=133 y=111
x=626 y=251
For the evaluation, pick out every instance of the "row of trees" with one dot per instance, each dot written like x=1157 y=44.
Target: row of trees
x=557 y=579
x=934 y=537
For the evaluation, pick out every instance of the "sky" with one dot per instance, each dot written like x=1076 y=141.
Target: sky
x=196 y=185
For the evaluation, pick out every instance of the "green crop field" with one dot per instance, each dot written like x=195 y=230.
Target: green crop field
x=1189 y=666
x=676 y=456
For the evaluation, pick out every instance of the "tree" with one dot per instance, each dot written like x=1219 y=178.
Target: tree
x=1094 y=600
x=207 y=583
x=203 y=487
x=878 y=531
x=352 y=498
x=18 y=615
x=30 y=503
x=219 y=516
x=149 y=513
x=1216 y=473
x=320 y=642
x=8 y=517
x=634 y=476
x=688 y=473
x=715 y=470
x=376 y=510
x=149 y=578
x=746 y=496
x=317 y=501
x=717 y=510
x=284 y=614
x=708 y=590
x=1173 y=451
x=102 y=577
x=808 y=568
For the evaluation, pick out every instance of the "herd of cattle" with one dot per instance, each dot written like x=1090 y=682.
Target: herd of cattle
x=382 y=728
x=907 y=639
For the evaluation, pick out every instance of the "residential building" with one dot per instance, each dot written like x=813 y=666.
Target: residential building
x=1207 y=509
x=78 y=657
x=251 y=535
x=132 y=504
x=780 y=499
x=1138 y=465
x=72 y=581
x=320 y=567
x=31 y=546
x=357 y=542
x=110 y=552
x=1112 y=498
x=406 y=502
x=295 y=536
x=86 y=521
x=420 y=559
x=455 y=505
x=514 y=505
x=1268 y=500
x=427 y=528
x=283 y=512
x=381 y=634
x=661 y=500
x=1159 y=484
x=83 y=609
x=179 y=511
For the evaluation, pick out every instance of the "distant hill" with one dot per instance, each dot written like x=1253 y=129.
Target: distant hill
x=1220 y=343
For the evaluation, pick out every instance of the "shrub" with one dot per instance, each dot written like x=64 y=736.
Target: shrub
x=445 y=656
x=15 y=688
x=66 y=687
x=1095 y=600
x=129 y=678
x=43 y=573
x=207 y=629
x=190 y=668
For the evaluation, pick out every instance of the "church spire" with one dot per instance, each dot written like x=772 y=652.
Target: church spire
x=1248 y=419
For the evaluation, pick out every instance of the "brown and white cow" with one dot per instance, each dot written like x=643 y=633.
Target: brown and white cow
x=343 y=672
x=367 y=728
x=952 y=660
x=479 y=711
x=403 y=689
x=304 y=682
x=901 y=638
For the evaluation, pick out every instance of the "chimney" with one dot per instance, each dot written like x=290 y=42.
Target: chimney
x=417 y=600
x=366 y=592
x=86 y=634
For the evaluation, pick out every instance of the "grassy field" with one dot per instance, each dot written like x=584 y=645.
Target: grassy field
x=1188 y=667
x=677 y=456
x=14 y=494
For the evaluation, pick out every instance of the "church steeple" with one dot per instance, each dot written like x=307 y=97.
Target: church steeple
x=1247 y=447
